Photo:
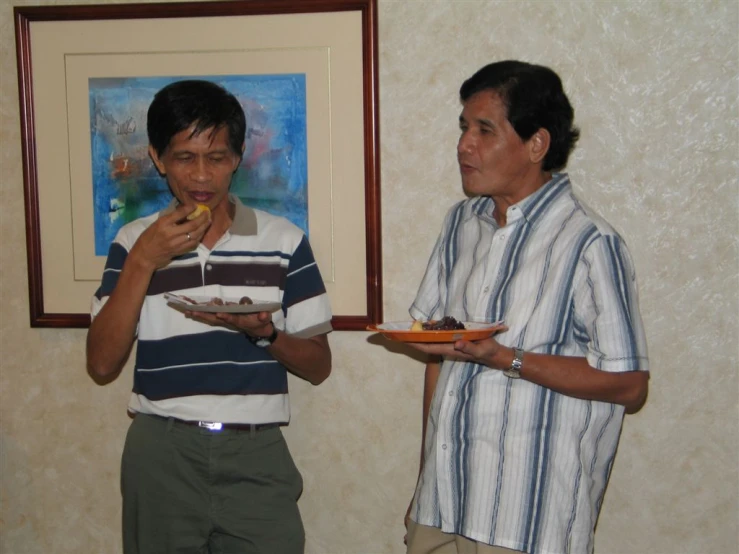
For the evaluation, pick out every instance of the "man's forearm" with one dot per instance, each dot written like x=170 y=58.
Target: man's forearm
x=575 y=377
x=113 y=330
x=569 y=375
x=309 y=358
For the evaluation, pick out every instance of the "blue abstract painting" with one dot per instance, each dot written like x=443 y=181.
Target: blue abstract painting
x=273 y=175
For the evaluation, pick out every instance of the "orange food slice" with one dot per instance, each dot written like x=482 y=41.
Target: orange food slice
x=200 y=208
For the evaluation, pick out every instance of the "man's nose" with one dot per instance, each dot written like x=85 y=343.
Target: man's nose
x=465 y=143
x=201 y=171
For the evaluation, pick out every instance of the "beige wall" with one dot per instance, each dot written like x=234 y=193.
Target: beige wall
x=654 y=85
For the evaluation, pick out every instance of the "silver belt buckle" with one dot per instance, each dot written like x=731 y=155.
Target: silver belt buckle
x=211 y=425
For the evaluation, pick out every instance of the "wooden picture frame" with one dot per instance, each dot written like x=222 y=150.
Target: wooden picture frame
x=51 y=41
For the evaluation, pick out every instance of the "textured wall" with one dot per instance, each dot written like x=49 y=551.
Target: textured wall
x=654 y=85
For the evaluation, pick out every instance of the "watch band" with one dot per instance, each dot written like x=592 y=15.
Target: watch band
x=514 y=372
x=264 y=342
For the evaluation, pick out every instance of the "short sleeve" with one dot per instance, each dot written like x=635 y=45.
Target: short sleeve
x=607 y=319
x=308 y=311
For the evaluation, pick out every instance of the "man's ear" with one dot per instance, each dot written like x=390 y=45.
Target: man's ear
x=539 y=145
x=157 y=162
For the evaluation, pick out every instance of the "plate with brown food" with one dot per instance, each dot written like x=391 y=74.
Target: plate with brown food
x=215 y=304
x=447 y=329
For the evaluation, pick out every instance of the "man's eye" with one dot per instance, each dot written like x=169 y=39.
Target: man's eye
x=217 y=159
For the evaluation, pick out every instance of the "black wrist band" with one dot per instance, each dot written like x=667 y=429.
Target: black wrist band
x=264 y=342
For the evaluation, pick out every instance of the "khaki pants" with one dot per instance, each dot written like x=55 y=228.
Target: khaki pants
x=431 y=540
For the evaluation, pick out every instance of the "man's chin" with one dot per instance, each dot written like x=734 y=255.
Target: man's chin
x=472 y=188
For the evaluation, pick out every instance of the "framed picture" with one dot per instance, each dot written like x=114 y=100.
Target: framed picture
x=305 y=72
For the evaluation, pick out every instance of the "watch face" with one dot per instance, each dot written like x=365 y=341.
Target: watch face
x=264 y=342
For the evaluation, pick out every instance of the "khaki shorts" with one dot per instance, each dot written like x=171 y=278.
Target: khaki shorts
x=190 y=490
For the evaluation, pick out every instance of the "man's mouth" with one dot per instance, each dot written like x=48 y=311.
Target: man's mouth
x=200 y=197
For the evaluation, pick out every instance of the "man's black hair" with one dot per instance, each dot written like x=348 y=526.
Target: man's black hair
x=534 y=99
x=204 y=104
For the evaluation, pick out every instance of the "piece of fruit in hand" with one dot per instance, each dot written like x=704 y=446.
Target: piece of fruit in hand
x=200 y=208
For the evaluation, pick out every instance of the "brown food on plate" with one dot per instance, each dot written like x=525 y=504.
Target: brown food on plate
x=220 y=302
x=447 y=323
x=216 y=301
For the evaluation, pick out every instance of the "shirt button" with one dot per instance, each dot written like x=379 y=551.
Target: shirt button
x=443 y=446
x=501 y=237
x=451 y=393
x=486 y=289
x=208 y=267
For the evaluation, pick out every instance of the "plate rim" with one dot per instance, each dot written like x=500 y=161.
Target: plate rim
x=376 y=327
x=438 y=336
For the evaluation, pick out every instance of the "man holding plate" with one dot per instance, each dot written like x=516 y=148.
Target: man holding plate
x=521 y=429
x=205 y=466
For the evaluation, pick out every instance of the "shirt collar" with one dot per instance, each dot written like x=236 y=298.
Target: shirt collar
x=245 y=218
x=530 y=207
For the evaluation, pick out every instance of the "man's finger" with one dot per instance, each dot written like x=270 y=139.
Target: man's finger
x=179 y=213
x=264 y=317
x=466 y=347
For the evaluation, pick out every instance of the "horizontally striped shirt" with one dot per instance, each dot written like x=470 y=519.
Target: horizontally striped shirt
x=194 y=371
x=508 y=462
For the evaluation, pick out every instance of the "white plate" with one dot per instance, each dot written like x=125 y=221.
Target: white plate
x=180 y=301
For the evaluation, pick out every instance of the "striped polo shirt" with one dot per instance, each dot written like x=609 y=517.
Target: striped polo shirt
x=507 y=462
x=193 y=371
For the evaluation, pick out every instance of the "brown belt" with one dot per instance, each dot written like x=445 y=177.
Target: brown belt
x=216 y=426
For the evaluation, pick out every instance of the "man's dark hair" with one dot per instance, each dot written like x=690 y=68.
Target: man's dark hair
x=534 y=99
x=207 y=105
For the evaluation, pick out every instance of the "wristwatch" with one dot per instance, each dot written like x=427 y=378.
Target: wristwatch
x=264 y=342
x=514 y=372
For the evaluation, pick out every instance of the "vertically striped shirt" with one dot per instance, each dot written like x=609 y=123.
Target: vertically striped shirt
x=508 y=462
x=194 y=371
